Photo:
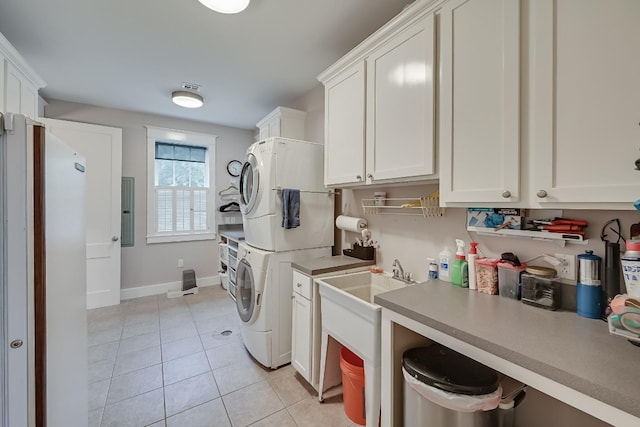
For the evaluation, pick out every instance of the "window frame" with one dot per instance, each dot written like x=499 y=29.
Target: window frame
x=181 y=137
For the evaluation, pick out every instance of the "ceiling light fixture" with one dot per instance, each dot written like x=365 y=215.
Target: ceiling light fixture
x=187 y=99
x=226 y=6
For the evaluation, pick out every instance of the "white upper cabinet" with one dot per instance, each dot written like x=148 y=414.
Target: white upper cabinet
x=400 y=105
x=282 y=122
x=585 y=102
x=379 y=106
x=345 y=127
x=19 y=84
x=479 y=105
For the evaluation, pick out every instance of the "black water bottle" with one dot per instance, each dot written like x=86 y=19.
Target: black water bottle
x=611 y=272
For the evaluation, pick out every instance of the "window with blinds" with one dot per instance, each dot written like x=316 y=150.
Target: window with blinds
x=181 y=188
x=180 y=185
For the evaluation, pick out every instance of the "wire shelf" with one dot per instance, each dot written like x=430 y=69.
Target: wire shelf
x=425 y=206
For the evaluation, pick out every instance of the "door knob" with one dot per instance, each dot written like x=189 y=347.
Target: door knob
x=541 y=194
x=115 y=238
x=506 y=194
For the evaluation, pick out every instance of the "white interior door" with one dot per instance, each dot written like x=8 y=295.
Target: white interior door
x=102 y=148
x=67 y=359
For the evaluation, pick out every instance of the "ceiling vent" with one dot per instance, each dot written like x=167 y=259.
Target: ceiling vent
x=191 y=86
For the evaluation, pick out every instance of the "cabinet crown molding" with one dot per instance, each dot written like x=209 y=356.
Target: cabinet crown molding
x=284 y=111
x=13 y=56
x=408 y=15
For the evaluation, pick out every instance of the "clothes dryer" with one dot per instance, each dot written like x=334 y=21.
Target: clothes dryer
x=264 y=287
x=270 y=166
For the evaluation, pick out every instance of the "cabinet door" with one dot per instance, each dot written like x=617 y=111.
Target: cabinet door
x=301 y=336
x=480 y=101
x=29 y=100
x=21 y=95
x=400 y=105
x=2 y=85
x=274 y=127
x=344 y=127
x=13 y=89
x=587 y=100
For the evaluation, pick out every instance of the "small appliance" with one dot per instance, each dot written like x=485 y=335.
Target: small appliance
x=589 y=292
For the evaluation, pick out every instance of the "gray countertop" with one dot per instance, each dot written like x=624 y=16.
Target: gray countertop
x=569 y=349
x=329 y=264
x=232 y=231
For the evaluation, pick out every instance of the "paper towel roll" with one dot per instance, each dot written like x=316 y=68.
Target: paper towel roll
x=350 y=223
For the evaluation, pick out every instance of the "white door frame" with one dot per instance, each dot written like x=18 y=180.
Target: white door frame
x=17 y=272
x=102 y=147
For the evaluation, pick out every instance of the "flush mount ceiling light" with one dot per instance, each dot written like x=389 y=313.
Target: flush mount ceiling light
x=187 y=99
x=226 y=6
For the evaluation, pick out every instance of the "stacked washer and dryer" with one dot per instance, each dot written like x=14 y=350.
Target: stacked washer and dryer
x=264 y=275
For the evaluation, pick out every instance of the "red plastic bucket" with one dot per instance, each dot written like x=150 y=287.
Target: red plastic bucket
x=352 y=368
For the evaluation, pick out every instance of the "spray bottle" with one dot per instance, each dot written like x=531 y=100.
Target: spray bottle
x=473 y=254
x=444 y=265
x=460 y=266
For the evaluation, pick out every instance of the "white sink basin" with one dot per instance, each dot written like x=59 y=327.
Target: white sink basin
x=350 y=316
x=349 y=313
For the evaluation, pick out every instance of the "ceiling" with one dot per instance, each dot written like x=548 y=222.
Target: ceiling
x=131 y=54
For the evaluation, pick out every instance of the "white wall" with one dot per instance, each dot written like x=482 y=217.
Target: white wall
x=143 y=264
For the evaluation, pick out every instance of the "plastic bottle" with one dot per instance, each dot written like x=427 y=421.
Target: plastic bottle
x=458 y=264
x=444 y=265
x=471 y=259
x=433 y=269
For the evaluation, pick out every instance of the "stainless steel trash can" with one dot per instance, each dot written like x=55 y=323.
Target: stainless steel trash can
x=443 y=388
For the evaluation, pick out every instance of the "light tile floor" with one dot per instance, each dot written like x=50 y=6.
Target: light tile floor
x=158 y=361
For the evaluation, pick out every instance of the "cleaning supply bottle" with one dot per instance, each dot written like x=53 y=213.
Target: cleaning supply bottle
x=471 y=259
x=459 y=264
x=444 y=265
x=433 y=269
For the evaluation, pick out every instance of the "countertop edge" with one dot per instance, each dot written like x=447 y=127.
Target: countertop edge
x=605 y=394
x=325 y=265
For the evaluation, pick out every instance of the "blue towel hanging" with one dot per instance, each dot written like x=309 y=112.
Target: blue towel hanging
x=290 y=208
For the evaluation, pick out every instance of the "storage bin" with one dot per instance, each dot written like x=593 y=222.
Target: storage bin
x=224 y=252
x=487 y=275
x=509 y=279
x=352 y=368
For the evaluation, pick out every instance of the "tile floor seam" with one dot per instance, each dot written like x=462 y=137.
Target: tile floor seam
x=110 y=382
x=201 y=305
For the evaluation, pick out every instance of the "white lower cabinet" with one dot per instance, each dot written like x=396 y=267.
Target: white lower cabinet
x=302 y=326
x=306 y=330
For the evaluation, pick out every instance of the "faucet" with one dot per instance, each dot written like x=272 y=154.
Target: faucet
x=398 y=272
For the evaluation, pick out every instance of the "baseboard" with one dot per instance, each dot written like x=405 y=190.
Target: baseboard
x=161 y=288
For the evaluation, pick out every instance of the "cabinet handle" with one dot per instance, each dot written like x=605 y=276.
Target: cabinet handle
x=541 y=194
x=369 y=176
x=359 y=177
x=299 y=285
x=506 y=194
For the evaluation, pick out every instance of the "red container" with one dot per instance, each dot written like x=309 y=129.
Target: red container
x=352 y=368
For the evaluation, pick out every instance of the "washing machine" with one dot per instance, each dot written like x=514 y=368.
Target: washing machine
x=272 y=165
x=264 y=287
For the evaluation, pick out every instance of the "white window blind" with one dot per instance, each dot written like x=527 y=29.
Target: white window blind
x=189 y=206
x=180 y=179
